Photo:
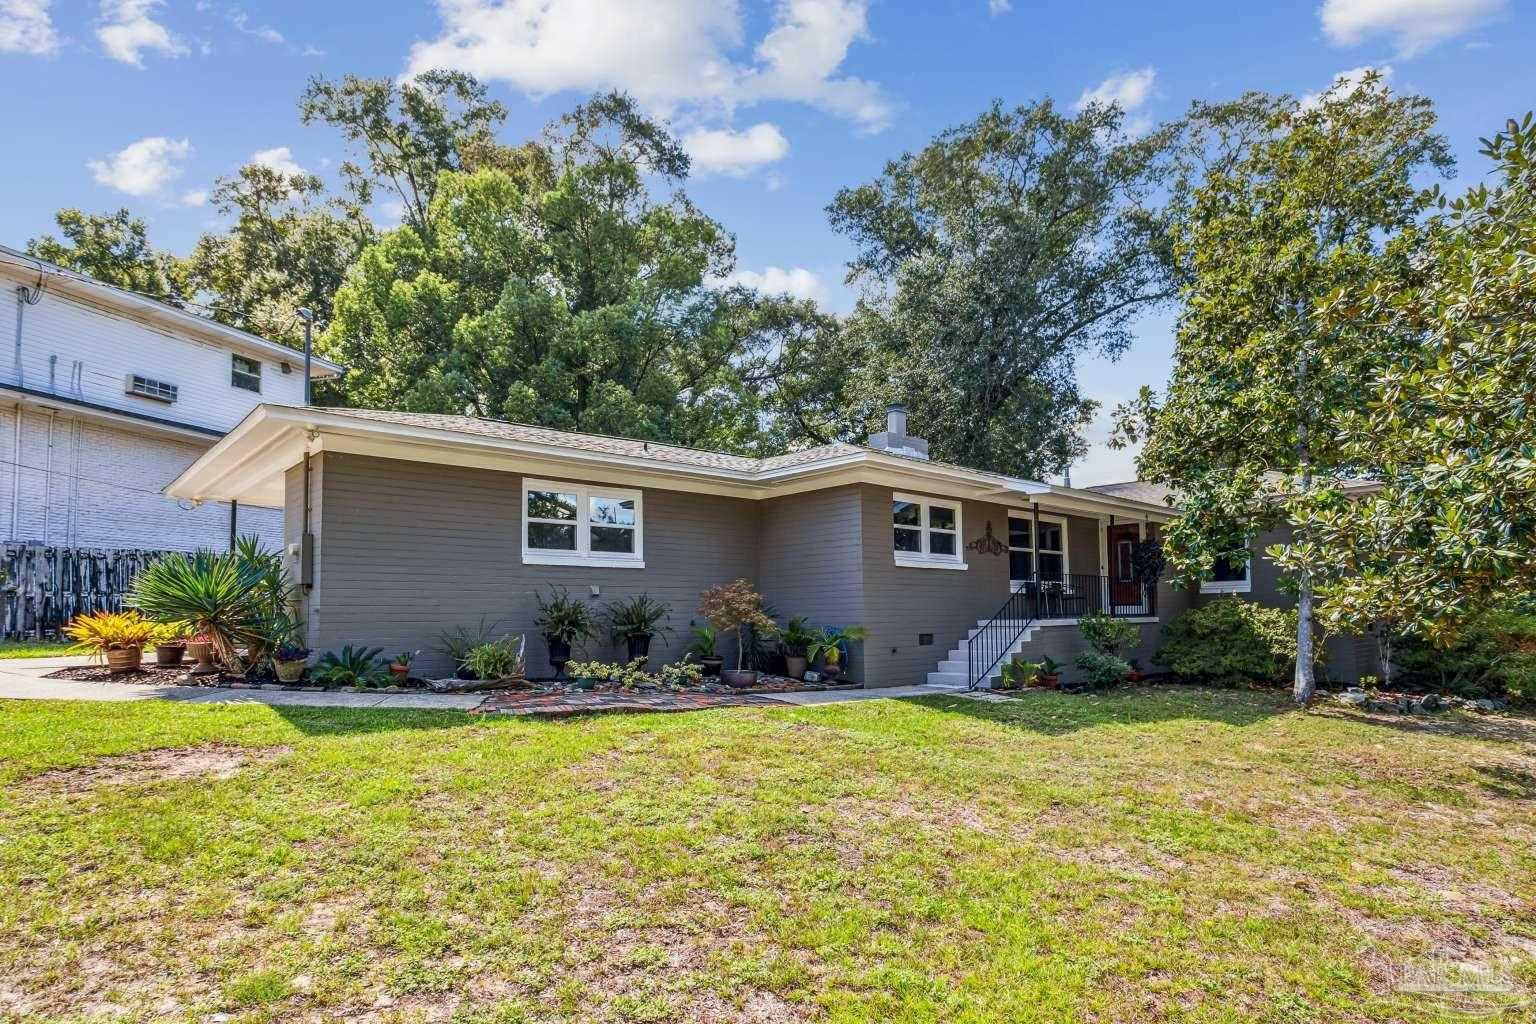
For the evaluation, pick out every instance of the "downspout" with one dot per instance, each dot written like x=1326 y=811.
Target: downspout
x=16 y=476
x=48 y=478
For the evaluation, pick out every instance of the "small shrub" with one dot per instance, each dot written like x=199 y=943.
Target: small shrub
x=499 y=659
x=96 y=633
x=685 y=675
x=352 y=666
x=1494 y=655
x=1107 y=634
x=1231 y=642
x=626 y=676
x=1102 y=669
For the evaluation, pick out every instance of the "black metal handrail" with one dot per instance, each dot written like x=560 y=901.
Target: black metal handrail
x=1062 y=596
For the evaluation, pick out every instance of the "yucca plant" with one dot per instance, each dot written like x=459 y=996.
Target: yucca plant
x=96 y=633
x=219 y=594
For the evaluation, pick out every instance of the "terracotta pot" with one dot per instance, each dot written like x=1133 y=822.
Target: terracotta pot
x=170 y=655
x=399 y=671
x=739 y=678
x=124 y=659
x=202 y=653
x=795 y=666
x=289 y=671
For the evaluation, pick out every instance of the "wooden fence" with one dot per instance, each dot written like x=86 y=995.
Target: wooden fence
x=42 y=588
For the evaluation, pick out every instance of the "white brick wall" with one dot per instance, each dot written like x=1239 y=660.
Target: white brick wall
x=103 y=489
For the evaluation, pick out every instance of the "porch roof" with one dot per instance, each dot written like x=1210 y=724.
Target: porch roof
x=248 y=464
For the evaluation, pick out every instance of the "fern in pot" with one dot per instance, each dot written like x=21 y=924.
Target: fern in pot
x=637 y=621
x=562 y=621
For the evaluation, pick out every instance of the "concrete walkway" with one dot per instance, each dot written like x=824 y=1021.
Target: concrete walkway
x=22 y=679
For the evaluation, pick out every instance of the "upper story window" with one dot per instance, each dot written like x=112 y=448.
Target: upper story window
x=245 y=373
x=926 y=532
x=1229 y=576
x=569 y=524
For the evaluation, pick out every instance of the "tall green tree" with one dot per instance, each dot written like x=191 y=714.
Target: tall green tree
x=994 y=258
x=111 y=247
x=1312 y=203
x=408 y=133
x=287 y=248
x=1448 y=424
x=556 y=288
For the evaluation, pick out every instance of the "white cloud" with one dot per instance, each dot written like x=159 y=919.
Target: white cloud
x=25 y=27
x=266 y=33
x=143 y=168
x=667 y=53
x=1412 y=25
x=996 y=7
x=196 y=197
x=796 y=281
x=1347 y=82
x=127 y=30
x=722 y=151
x=1128 y=90
x=279 y=159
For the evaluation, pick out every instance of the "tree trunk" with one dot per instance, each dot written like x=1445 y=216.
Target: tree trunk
x=1306 y=681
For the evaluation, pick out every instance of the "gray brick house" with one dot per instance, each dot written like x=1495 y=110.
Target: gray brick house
x=402 y=525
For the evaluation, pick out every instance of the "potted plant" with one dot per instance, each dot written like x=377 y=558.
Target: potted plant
x=702 y=650
x=1048 y=674
x=117 y=636
x=1135 y=675
x=289 y=661
x=170 y=644
x=456 y=643
x=200 y=647
x=829 y=647
x=636 y=620
x=400 y=668
x=736 y=607
x=796 y=639
x=562 y=620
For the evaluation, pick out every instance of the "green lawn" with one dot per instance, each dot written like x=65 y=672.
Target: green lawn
x=1156 y=854
x=33 y=648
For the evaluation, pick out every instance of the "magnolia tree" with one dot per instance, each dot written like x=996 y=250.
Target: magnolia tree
x=1315 y=199
x=1448 y=426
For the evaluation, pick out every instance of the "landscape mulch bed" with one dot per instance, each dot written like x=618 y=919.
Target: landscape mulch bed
x=514 y=702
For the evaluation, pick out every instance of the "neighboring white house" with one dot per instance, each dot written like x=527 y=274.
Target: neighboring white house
x=106 y=396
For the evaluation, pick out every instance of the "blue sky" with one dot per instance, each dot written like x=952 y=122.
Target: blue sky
x=144 y=103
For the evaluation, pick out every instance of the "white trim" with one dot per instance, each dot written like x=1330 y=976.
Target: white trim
x=925 y=529
x=583 y=555
x=1242 y=586
x=1045 y=517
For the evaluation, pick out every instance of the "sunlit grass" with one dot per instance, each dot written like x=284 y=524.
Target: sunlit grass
x=1147 y=855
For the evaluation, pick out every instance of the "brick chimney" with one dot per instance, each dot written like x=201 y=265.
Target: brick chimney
x=895 y=438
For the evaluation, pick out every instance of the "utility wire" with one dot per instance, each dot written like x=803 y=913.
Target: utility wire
x=86 y=479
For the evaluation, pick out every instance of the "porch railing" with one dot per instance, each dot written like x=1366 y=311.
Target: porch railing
x=1065 y=596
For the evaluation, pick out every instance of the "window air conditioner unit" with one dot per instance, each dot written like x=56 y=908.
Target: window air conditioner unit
x=148 y=387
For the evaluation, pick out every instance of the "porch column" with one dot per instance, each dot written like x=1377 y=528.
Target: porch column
x=1104 y=564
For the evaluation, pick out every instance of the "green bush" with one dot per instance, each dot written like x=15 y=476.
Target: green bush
x=1494 y=656
x=1231 y=642
x=1107 y=634
x=1101 y=669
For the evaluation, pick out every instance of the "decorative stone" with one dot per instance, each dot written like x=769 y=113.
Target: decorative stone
x=1354 y=696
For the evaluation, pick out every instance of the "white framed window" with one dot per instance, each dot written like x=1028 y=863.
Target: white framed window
x=245 y=373
x=1228 y=577
x=1048 y=551
x=580 y=524
x=926 y=532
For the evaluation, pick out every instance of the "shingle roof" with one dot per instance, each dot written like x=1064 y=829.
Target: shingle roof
x=623 y=447
x=1135 y=490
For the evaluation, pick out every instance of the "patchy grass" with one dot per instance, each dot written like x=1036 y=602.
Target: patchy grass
x=33 y=648
x=1153 y=854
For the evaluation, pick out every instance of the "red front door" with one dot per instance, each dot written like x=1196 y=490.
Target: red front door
x=1124 y=594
